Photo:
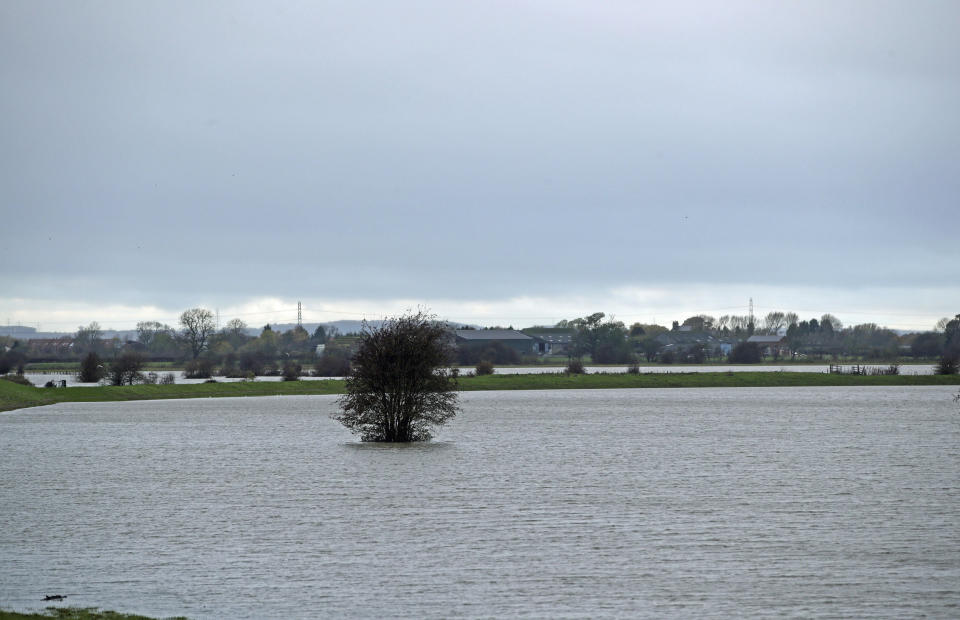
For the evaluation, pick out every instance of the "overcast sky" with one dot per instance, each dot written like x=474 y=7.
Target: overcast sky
x=512 y=162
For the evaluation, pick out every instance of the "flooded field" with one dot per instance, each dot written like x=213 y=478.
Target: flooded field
x=807 y=502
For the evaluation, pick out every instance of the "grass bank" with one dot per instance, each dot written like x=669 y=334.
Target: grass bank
x=13 y=396
x=73 y=613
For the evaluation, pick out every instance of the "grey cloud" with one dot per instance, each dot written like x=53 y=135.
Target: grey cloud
x=474 y=149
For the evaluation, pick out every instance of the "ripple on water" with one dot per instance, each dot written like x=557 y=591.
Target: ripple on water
x=813 y=502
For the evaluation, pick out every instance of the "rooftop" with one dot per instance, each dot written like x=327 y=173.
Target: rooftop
x=490 y=334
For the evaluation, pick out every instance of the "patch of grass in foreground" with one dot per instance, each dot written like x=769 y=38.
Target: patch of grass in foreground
x=595 y=381
x=74 y=613
x=14 y=396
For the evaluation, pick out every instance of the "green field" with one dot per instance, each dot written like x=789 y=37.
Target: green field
x=13 y=396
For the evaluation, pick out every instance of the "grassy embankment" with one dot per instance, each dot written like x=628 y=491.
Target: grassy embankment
x=73 y=613
x=13 y=396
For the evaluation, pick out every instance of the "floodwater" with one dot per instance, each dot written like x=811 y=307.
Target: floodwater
x=40 y=379
x=803 y=502
x=910 y=369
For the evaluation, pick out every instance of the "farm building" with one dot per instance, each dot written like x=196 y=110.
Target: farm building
x=551 y=340
x=771 y=345
x=519 y=341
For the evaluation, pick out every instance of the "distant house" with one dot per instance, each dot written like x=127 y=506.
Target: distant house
x=684 y=341
x=49 y=347
x=552 y=340
x=686 y=338
x=519 y=341
x=771 y=345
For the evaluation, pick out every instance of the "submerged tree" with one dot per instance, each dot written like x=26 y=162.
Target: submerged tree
x=125 y=369
x=91 y=369
x=399 y=388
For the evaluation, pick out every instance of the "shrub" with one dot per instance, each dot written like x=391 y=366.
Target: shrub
x=12 y=360
x=400 y=388
x=167 y=379
x=333 y=363
x=667 y=357
x=575 y=367
x=291 y=371
x=745 y=353
x=200 y=368
x=484 y=367
x=125 y=369
x=91 y=369
x=49 y=384
x=947 y=366
x=633 y=369
x=151 y=378
x=230 y=371
x=252 y=361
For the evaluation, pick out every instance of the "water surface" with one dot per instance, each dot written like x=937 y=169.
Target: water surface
x=805 y=502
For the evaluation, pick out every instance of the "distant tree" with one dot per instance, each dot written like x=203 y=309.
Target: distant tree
x=400 y=388
x=12 y=359
x=91 y=369
x=745 y=353
x=88 y=338
x=700 y=322
x=295 y=341
x=649 y=347
x=125 y=368
x=267 y=343
x=736 y=323
x=773 y=322
x=233 y=332
x=606 y=342
x=320 y=334
x=335 y=362
x=951 y=334
x=697 y=354
x=235 y=327
x=149 y=331
x=927 y=344
x=197 y=326
x=253 y=361
x=835 y=324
